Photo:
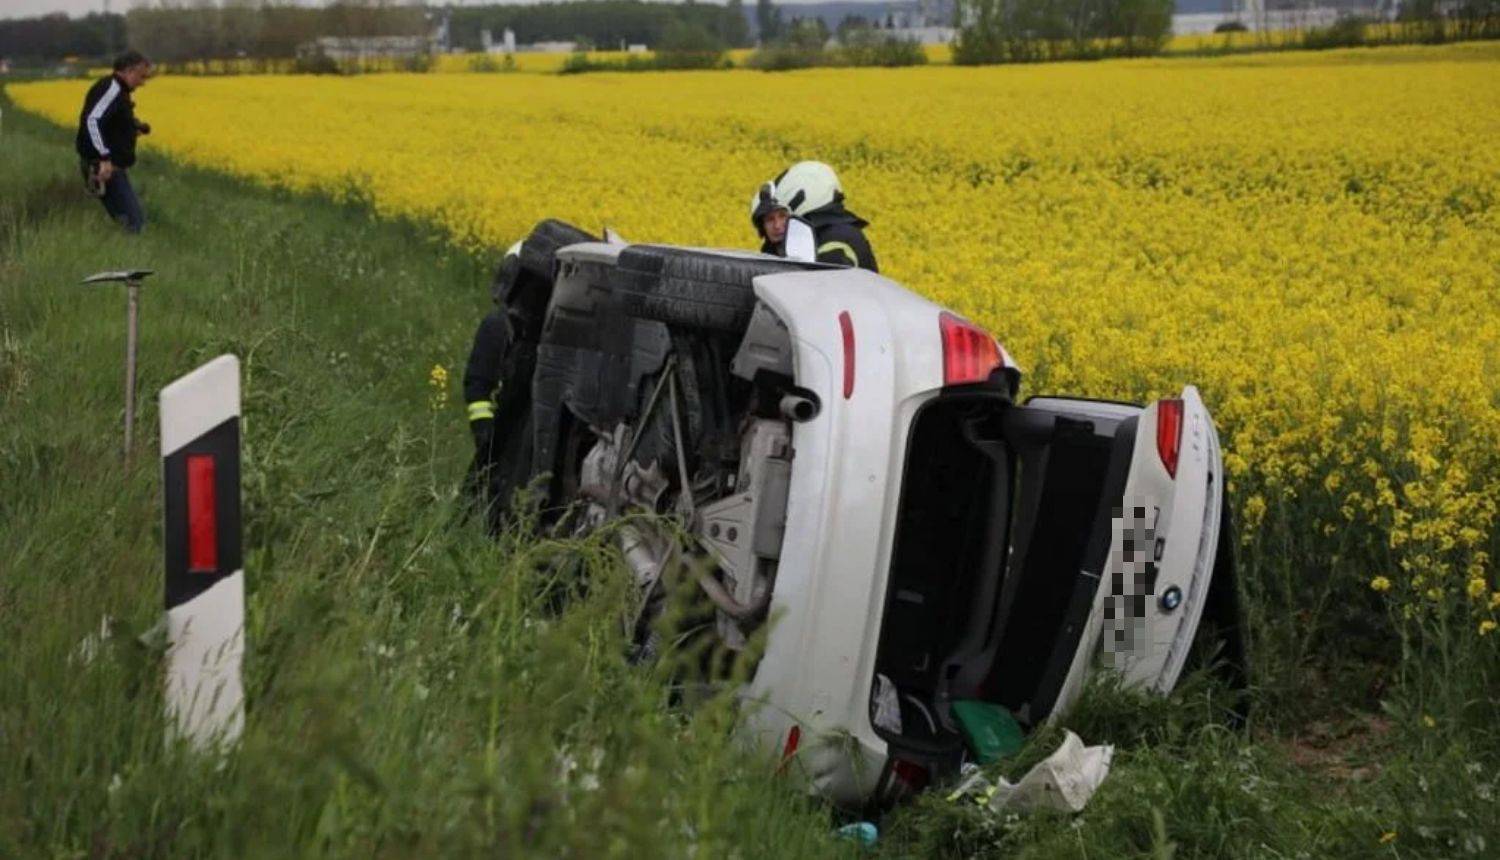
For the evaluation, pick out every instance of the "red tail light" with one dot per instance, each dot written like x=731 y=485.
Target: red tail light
x=969 y=353
x=1169 y=433
x=203 y=515
x=911 y=774
x=793 y=740
x=846 y=325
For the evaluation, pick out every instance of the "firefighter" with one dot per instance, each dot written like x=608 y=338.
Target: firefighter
x=491 y=360
x=801 y=215
x=498 y=375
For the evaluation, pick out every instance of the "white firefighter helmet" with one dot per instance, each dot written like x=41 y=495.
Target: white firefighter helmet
x=808 y=186
x=805 y=187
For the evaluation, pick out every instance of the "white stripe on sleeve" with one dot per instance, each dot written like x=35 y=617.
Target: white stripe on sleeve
x=97 y=114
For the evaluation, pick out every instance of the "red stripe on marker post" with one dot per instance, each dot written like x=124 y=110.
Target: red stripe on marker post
x=203 y=513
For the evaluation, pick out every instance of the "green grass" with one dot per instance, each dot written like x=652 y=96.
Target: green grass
x=414 y=687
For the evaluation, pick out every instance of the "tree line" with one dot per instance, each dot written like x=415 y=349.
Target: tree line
x=173 y=31
x=1018 y=31
x=50 y=38
x=194 y=30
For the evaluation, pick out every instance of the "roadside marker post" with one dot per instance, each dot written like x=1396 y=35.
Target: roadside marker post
x=132 y=279
x=202 y=534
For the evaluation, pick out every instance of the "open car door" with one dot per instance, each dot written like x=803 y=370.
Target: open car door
x=1084 y=534
x=1164 y=544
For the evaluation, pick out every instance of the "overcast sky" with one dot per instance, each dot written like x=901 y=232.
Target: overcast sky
x=28 y=8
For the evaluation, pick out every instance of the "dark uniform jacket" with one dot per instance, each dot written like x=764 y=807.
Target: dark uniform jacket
x=107 y=126
x=497 y=392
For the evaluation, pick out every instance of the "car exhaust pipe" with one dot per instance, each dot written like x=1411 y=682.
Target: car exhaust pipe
x=795 y=407
x=753 y=611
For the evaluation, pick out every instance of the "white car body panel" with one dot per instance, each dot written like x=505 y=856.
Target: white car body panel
x=831 y=585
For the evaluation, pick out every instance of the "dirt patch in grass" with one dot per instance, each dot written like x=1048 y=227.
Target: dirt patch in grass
x=1341 y=752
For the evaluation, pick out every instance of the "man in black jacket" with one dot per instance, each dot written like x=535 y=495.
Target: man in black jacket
x=107 y=129
x=801 y=215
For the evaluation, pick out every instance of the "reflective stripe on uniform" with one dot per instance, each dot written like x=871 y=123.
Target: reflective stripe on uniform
x=481 y=410
x=839 y=246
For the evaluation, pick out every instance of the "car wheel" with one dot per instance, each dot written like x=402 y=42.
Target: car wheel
x=696 y=290
x=539 y=251
x=701 y=307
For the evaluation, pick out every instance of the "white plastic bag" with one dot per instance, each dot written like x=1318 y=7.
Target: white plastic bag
x=1064 y=780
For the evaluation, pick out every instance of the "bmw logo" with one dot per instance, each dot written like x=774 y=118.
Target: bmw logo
x=1171 y=599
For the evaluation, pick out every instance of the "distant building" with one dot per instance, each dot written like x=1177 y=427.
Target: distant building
x=369 y=47
x=440 y=32
x=927 y=24
x=1277 y=15
x=923 y=35
x=506 y=45
x=550 y=47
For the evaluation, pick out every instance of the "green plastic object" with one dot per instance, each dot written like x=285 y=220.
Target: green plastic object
x=992 y=733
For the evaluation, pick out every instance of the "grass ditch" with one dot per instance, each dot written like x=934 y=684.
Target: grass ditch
x=414 y=688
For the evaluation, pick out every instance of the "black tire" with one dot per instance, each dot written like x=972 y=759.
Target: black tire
x=539 y=251
x=697 y=290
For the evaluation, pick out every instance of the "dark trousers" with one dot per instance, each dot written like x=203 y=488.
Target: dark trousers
x=121 y=203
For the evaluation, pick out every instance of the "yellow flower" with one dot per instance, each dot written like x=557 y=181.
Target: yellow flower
x=1380 y=584
x=1428 y=721
x=438 y=379
x=1255 y=511
x=1388 y=837
x=1477 y=587
x=1486 y=627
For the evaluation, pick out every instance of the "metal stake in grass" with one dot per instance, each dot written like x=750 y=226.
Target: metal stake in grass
x=131 y=278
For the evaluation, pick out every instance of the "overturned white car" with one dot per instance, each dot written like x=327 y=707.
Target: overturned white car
x=849 y=466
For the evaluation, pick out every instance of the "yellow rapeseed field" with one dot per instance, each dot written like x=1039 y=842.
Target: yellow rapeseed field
x=1313 y=239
